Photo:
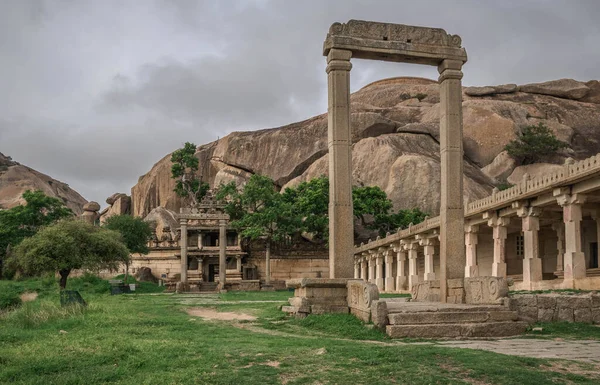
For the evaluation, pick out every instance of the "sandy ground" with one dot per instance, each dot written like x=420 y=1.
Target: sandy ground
x=29 y=296
x=212 y=314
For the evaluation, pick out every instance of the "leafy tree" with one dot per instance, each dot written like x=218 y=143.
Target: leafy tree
x=533 y=144
x=135 y=233
x=260 y=212
x=310 y=201
x=184 y=170
x=68 y=245
x=391 y=222
x=24 y=221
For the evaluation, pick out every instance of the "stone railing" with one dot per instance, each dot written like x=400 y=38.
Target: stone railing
x=571 y=172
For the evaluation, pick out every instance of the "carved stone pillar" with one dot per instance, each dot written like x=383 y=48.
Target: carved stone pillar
x=238 y=261
x=390 y=283
x=428 y=251
x=413 y=273
x=532 y=264
x=200 y=240
x=222 y=252
x=379 y=281
x=364 y=272
x=401 y=278
x=499 y=231
x=574 y=260
x=201 y=268
x=341 y=217
x=356 y=267
x=560 y=248
x=452 y=248
x=371 y=259
x=471 y=239
x=183 y=243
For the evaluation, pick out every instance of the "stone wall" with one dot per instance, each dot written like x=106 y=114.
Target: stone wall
x=555 y=307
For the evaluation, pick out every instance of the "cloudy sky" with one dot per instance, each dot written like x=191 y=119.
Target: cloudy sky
x=93 y=93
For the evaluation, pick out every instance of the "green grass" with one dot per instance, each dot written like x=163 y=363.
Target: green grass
x=280 y=295
x=394 y=295
x=566 y=330
x=149 y=339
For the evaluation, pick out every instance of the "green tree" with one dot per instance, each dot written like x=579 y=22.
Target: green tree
x=67 y=245
x=310 y=201
x=24 y=221
x=260 y=212
x=533 y=144
x=135 y=233
x=184 y=170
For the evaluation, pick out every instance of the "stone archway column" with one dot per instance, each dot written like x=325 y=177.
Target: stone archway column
x=499 y=233
x=560 y=241
x=222 y=252
x=183 y=243
x=401 y=278
x=428 y=251
x=452 y=248
x=389 y=273
x=532 y=264
x=471 y=240
x=364 y=273
x=413 y=274
x=574 y=260
x=341 y=218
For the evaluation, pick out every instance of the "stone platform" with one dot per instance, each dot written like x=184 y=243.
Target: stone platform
x=437 y=320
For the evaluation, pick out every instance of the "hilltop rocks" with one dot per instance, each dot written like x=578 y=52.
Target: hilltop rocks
x=119 y=204
x=15 y=179
x=491 y=90
x=395 y=135
x=563 y=88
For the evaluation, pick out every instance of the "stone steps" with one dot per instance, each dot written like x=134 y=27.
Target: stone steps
x=208 y=287
x=435 y=320
x=458 y=330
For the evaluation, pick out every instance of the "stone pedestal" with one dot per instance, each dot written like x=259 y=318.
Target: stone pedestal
x=318 y=296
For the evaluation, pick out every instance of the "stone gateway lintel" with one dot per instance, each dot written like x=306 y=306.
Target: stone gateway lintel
x=394 y=42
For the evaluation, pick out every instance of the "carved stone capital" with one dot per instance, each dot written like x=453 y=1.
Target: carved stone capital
x=527 y=211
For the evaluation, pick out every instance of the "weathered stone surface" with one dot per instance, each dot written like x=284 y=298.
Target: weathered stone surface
x=583 y=315
x=361 y=295
x=595 y=300
x=491 y=90
x=485 y=290
x=379 y=314
x=15 y=179
x=119 y=204
x=594 y=95
x=545 y=315
x=596 y=315
x=487 y=329
x=91 y=206
x=565 y=315
x=562 y=88
x=500 y=168
x=546 y=301
x=528 y=313
x=144 y=274
x=524 y=300
x=164 y=220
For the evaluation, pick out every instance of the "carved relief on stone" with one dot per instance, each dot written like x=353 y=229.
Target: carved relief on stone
x=395 y=32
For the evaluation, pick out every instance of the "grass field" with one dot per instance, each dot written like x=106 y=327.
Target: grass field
x=148 y=338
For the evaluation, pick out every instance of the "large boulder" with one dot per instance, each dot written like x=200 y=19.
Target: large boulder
x=533 y=171
x=562 y=88
x=16 y=178
x=163 y=220
x=395 y=131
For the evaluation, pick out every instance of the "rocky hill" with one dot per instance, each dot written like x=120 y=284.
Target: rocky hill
x=395 y=125
x=16 y=179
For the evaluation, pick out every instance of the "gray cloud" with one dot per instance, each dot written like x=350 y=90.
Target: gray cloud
x=94 y=93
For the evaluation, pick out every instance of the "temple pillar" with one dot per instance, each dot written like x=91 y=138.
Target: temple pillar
x=413 y=274
x=372 y=258
x=201 y=267
x=379 y=281
x=401 y=279
x=238 y=262
x=341 y=216
x=560 y=248
x=452 y=248
x=356 y=267
x=390 y=283
x=532 y=264
x=183 y=242
x=471 y=239
x=200 y=240
x=428 y=251
x=574 y=258
x=222 y=252
x=499 y=233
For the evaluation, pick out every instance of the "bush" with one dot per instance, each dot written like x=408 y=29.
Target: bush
x=534 y=144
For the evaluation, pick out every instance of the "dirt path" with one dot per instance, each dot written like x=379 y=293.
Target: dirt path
x=213 y=314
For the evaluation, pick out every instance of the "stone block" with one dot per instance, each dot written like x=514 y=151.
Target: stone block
x=545 y=315
x=546 y=301
x=583 y=315
x=501 y=316
x=574 y=302
x=525 y=300
x=596 y=300
x=596 y=315
x=379 y=314
x=565 y=314
x=528 y=313
x=363 y=315
x=485 y=290
x=455 y=283
x=327 y=309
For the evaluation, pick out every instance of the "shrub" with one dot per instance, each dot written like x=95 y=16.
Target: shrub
x=533 y=144
x=9 y=299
